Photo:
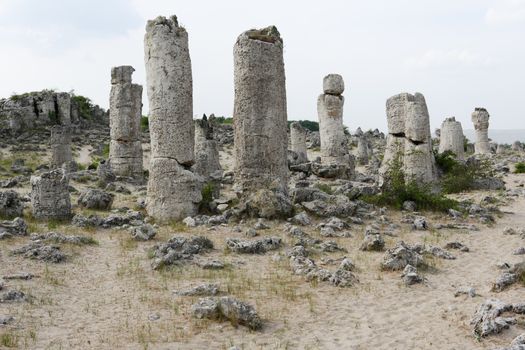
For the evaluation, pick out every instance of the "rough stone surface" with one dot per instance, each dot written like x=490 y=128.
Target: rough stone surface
x=259 y=115
x=334 y=147
x=298 y=142
x=488 y=318
x=10 y=204
x=95 y=199
x=143 y=232
x=400 y=256
x=125 y=111
x=15 y=227
x=60 y=142
x=50 y=195
x=40 y=251
x=480 y=119
x=409 y=139
x=452 y=138
x=259 y=246
x=206 y=289
x=206 y=152
x=236 y=311
x=410 y=275
x=173 y=190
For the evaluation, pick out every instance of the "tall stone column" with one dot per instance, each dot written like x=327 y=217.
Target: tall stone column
x=174 y=191
x=480 y=119
x=259 y=115
x=125 y=111
x=50 y=195
x=334 y=149
x=298 y=141
x=60 y=142
x=409 y=139
x=452 y=138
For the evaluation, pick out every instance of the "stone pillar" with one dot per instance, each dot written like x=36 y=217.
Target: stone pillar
x=259 y=115
x=516 y=146
x=50 y=195
x=60 y=141
x=125 y=111
x=298 y=142
x=362 y=150
x=334 y=148
x=452 y=138
x=480 y=119
x=174 y=191
x=409 y=138
x=207 y=162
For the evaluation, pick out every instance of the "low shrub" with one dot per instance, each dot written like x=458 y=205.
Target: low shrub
x=519 y=168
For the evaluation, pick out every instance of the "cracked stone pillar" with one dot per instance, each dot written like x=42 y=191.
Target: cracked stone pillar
x=330 y=112
x=60 y=142
x=207 y=162
x=298 y=142
x=125 y=111
x=451 y=138
x=259 y=115
x=409 y=138
x=174 y=191
x=362 y=150
x=480 y=119
x=50 y=195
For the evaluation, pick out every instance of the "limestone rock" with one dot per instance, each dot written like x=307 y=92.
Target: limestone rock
x=50 y=195
x=480 y=119
x=259 y=115
x=95 y=199
x=452 y=138
x=10 y=204
x=298 y=142
x=400 y=256
x=259 y=246
x=236 y=311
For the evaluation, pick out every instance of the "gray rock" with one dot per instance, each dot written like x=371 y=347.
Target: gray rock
x=302 y=219
x=12 y=296
x=55 y=237
x=15 y=227
x=400 y=256
x=410 y=275
x=40 y=251
x=456 y=245
x=487 y=320
x=470 y=291
x=179 y=249
x=259 y=246
x=95 y=199
x=207 y=289
x=480 y=119
x=50 y=195
x=236 y=311
x=144 y=232
x=10 y=204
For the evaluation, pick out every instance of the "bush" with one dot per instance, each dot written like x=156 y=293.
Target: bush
x=85 y=106
x=324 y=187
x=224 y=120
x=460 y=176
x=396 y=190
x=307 y=124
x=144 y=123
x=519 y=168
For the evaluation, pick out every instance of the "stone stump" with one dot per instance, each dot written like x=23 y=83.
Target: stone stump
x=409 y=138
x=174 y=191
x=60 y=141
x=50 y=195
x=207 y=162
x=362 y=150
x=480 y=119
x=452 y=138
x=298 y=142
x=125 y=111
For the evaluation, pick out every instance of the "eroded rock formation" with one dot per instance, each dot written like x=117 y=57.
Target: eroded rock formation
x=452 y=138
x=480 y=119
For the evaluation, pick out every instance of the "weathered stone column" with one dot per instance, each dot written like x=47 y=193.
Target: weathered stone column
x=480 y=119
x=60 y=141
x=207 y=162
x=174 y=191
x=50 y=195
x=298 y=142
x=125 y=111
x=334 y=148
x=451 y=138
x=259 y=114
x=516 y=146
x=362 y=150
x=409 y=139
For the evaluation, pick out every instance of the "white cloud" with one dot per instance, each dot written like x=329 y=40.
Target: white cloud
x=506 y=11
x=434 y=58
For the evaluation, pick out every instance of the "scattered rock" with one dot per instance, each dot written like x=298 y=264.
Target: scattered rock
x=470 y=291
x=143 y=232
x=40 y=251
x=236 y=311
x=400 y=256
x=373 y=240
x=19 y=276
x=410 y=275
x=10 y=204
x=259 y=246
x=457 y=245
x=487 y=320
x=15 y=227
x=61 y=238
x=179 y=249
x=207 y=289
x=12 y=296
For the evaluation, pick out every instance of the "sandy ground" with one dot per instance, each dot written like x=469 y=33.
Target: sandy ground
x=104 y=296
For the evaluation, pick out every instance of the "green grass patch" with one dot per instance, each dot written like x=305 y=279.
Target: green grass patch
x=519 y=168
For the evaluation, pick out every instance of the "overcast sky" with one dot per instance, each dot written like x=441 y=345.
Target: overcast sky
x=459 y=53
